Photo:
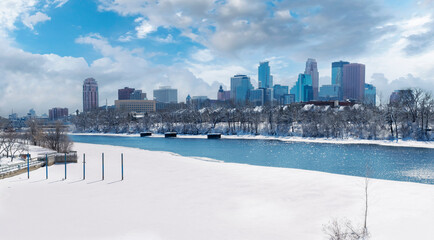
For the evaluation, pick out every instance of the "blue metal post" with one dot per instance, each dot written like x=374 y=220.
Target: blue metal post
x=46 y=166
x=122 y=165
x=28 y=166
x=65 y=166
x=84 y=166
x=102 y=166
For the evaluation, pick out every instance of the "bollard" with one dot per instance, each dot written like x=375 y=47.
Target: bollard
x=122 y=165
x=84 y=166
x=65 y=166
x=46 y=166
x=28 y=166
x=103 y=166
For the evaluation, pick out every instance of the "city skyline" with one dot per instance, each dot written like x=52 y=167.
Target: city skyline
x=198 y=46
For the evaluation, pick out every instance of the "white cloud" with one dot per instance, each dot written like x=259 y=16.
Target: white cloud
x=203 y=55
x=144 y=28
x=31 y=21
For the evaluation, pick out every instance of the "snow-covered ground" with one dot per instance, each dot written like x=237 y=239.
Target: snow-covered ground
x=400 y=143
x=166 y=196
x=34 y=151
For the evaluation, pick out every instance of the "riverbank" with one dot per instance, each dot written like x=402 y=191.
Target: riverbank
x=167 y=196
x=388 y=143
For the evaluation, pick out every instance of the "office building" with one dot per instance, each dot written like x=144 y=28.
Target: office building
x=312 y=70
x=166 y=94
x=240 y=86
x=302 y=90
x=329 y=92
x=279 y=91
x=138 y=95
x=125 y=93
x=57 y=113
x=257 y=97
x=265 y=80
x=90 y=95
x=137 y=106
x=223 y=95
x=370 y=94
x=353 y=82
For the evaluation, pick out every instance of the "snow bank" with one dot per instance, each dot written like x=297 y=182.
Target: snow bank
x=167 y=196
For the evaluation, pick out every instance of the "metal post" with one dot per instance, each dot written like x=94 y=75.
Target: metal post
x=84 y=166
x=28 y=166
x=102 y=166
x=46 y=166
x=122 y=165
x=65 y=166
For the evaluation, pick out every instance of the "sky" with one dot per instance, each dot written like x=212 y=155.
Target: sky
x=48 y=47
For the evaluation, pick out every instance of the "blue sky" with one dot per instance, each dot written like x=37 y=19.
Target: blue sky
x=50 y=46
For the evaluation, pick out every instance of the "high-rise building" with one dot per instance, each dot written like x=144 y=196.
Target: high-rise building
x=303 y=90
x=90 y=95
x=256 y=96
x=223 y=95
x=312 y=70
x=279 y=92
x=353 y=82
x=337 y=75
x=338 y=71
x=125 y=93
x=166 y=94
x=370 y=94
x=240 y=86
x=329 y=92
x=265 y=80
x=57 y=113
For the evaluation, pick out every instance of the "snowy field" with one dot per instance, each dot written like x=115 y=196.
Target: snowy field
x=165 y=196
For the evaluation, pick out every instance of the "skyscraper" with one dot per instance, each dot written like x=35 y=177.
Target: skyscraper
x=240 y=86
x=166 y=95
x=90 y=95
x=303 y=90
x=337 y=75
x=312 y=70
x=353 y=81
x=337 y=72
x=265 y=80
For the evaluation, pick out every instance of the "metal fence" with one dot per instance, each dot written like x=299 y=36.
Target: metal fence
x=16 y=167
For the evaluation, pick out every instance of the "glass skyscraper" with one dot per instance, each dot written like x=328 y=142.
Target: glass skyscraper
x=312 y=70
x=265 y=80
x=240 y=86
x=337 y=75
x=303 y=90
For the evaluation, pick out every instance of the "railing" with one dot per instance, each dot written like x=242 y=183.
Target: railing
x=17 y=167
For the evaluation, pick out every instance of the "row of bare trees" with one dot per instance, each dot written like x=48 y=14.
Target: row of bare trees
x=16 y=141
x=410 y=117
